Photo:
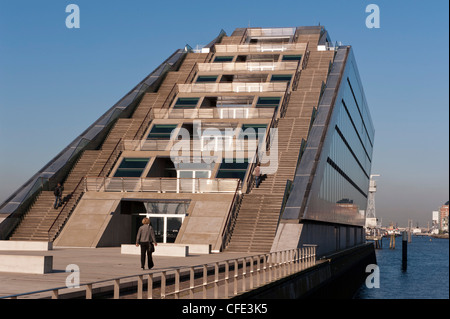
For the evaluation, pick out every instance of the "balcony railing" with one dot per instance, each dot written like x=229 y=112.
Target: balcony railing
x=237 y=48
x=215 y=113
x=161 y=185
x=236 y=87
x=247 y=66
x=145 y=145
x=271 y=32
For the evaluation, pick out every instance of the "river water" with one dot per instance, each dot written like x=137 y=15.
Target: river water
x=426 y=277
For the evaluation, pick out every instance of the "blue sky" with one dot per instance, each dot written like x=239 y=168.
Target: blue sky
x=55 y=81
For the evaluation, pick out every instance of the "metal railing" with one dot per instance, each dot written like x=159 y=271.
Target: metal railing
x=231 y=217
x=236 y=48
x=271 y=32
x=221 y=279
x=160 y=185
x=247 y=66
x=65 y=212
x=225 y=112
x=146 y=145
x=234 y=87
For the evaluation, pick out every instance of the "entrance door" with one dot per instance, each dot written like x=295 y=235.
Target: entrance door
x=166 y=226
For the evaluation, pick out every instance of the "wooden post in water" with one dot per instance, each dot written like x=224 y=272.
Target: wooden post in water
x=392 y=241
x=404 y=251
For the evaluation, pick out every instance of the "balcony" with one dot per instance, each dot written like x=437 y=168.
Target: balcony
x=269 y=47
x=161 y=185
x=247 y=66
x=232 y=87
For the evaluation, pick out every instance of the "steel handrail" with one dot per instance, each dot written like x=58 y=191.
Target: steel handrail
x=64 y=207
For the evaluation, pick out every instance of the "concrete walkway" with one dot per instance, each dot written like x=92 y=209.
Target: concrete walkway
x=95 y=264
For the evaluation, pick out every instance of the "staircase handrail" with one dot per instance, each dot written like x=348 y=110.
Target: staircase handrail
x=116 y=149
x=231 y=216
x=65 y=206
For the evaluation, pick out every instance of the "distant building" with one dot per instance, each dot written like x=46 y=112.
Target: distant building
x=435 y=222
x=443 y=217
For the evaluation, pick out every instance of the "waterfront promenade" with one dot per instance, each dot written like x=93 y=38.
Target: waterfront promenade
x=95 y=264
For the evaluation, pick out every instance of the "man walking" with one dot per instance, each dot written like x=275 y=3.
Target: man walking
x=58 y=195
x=257 y=174
x=146 y=238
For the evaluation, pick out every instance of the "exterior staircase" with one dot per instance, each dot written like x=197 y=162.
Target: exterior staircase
x=42 y=222
x=258 y=216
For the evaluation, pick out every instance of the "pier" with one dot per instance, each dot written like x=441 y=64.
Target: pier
x=107 y=274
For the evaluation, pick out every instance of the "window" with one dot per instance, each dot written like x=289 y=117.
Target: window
x=131 y=167
x=161 y=132
x=292 y=57
x=223 y=59
x=233 y=168
x=186 y=102
x=268 y=102
x=250 y=131
x=281 y=78
x=207 y=78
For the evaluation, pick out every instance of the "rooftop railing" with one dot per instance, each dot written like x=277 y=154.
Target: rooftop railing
x=160 y=185
x=235 y=87
x=270 y=32
x=247 y=66
x=237 y=48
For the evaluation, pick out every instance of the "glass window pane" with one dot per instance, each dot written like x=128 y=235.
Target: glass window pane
x=281 y=78
x=185 y=174
x=223 y=59
x=161 y=131
x=201 y=174
x=207 y=78
x=186 y=102
x=268 y=102
x=131 y=167
x=236 y=168
x=292 y=57
x=158 y=227
x=173 y=227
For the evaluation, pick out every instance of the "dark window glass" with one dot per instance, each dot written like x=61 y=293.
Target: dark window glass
x=281 y=78
x=268 y=102
x=131 y=167
x=233 y=169
x=207 y=78
x=186 y=102
x=223 y=59
x=250 y=131
x=292 y=57
x=161 y=132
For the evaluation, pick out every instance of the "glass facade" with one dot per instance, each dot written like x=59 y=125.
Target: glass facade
x=340 y=190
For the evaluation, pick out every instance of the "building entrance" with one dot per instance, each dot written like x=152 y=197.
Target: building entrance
x=166 y=217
